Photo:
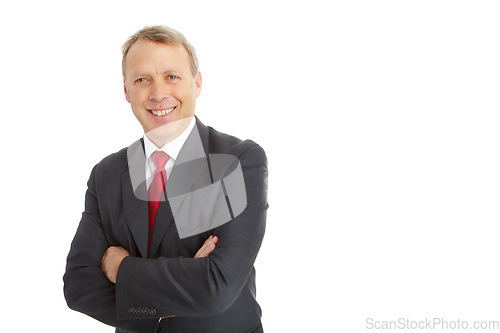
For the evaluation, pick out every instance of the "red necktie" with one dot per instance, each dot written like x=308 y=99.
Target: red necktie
x=156 y=188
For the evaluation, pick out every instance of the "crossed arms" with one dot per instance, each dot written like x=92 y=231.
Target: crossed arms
x=201 y=286
x=114 y=255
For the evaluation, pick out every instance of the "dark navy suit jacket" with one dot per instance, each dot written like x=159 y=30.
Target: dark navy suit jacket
x=211 y=294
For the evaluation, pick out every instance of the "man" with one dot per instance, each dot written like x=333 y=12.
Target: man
x=172 y=224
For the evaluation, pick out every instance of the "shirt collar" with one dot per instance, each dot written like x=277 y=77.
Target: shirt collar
x=173 y=147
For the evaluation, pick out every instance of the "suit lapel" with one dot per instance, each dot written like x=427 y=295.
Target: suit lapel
x=136 y=214
x=134 y=196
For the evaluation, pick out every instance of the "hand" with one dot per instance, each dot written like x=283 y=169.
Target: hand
x=111 y=261
x=207 y=247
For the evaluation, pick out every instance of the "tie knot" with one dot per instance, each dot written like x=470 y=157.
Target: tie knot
x=160 y=158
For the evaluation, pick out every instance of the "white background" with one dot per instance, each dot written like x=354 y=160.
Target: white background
x=380 y=120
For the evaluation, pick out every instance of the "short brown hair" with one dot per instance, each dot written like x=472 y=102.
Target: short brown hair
x=165 y=35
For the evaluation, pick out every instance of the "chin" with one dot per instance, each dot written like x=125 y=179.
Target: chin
x=168 y=131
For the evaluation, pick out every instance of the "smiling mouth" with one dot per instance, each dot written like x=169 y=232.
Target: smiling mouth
x=163 y=112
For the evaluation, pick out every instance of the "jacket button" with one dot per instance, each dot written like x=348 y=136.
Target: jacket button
x=131 y=310
x=152 y=311
x=138 y=311
x=145 y=310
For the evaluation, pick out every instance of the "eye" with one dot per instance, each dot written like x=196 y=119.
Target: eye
x=172 y=77
x=141 y=80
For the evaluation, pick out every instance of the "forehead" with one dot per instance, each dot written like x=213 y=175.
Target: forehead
x=146 y=55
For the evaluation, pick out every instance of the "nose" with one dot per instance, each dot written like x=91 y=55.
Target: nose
x=158 y=92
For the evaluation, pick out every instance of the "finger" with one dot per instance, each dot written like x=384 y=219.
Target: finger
x=208 y=250
x=204 y=251
x=207 y=243
x=200 y=251
x=104 y=257
x=207 y=247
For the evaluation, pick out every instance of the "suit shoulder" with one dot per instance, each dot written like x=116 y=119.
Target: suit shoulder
x=248 y=151
x=115 y=163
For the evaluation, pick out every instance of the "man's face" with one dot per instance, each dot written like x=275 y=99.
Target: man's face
x=160 y=87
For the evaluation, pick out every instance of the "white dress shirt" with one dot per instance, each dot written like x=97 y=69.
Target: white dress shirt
x=172 y=149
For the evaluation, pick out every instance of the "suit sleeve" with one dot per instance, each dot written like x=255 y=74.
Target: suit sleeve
x=86 y=288
x=203 y=286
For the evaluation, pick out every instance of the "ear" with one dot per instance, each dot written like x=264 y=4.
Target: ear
x=125 y=91
x=197 y=84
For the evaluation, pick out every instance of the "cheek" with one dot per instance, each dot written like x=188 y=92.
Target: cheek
x=186 y=94
x=136 y=97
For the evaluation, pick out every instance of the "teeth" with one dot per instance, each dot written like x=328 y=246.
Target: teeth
x=162 y=112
